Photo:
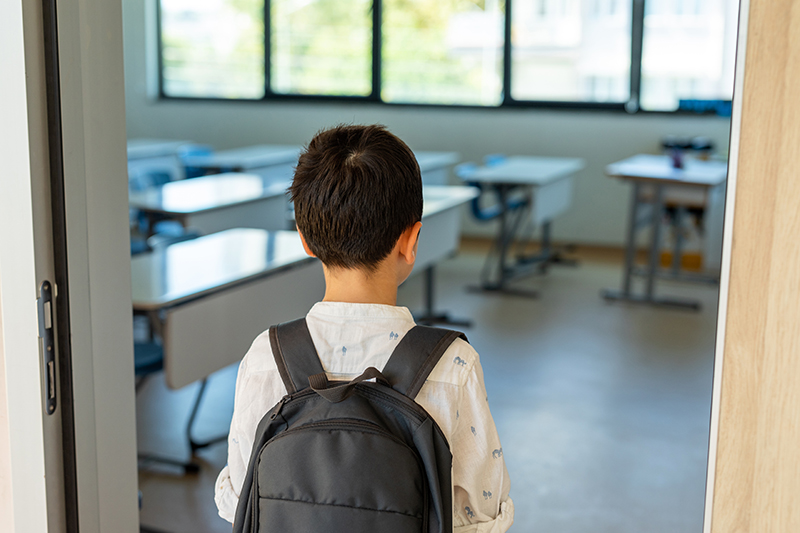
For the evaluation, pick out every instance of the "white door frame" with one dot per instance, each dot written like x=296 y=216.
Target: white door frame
x=94 y=169
x=20 y=344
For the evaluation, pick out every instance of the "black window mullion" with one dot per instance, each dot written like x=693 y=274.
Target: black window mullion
x=637 y=38
x=377 y=40
x=507 y=54
x=160 y=44
x=267 y=49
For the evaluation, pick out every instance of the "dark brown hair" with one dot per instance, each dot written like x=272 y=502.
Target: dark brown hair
x=355 y=190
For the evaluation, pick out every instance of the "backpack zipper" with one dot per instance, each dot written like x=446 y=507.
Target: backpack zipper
x=278 y=408
x=344 y=423
x=336 y=423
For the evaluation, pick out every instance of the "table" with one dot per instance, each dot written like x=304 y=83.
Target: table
x=271 y=162
x=435 y=166
x=548 y=184
x=211 y=296
x=155 y=155
x=438 y=240
x=217 y=202
x=656 y=173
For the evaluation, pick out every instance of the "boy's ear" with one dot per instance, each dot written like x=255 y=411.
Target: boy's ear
x=409 y=241
x=305 y=245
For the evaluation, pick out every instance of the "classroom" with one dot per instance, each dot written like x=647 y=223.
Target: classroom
x=608 y=211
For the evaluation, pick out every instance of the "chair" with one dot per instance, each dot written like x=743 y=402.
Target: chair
x=148 y=359
x=465 y=172
x=138 y=245
x=193 y=150
x=492 y=160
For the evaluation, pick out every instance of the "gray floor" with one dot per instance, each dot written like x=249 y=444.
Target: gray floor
x=603 y=409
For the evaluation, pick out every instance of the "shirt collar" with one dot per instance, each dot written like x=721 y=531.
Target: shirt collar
x=362 y=311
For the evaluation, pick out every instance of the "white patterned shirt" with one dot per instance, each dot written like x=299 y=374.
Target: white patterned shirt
x=350 y=338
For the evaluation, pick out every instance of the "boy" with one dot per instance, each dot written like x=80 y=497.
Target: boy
x=357 y=194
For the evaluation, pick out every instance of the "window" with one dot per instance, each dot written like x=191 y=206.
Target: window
x=442 y=51
x=212 y=48
x=689 y=51
x=321 y=47
x=573 y=53
x=571 y=50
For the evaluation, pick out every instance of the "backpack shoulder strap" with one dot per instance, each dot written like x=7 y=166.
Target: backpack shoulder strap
x=294 y=354
x=415 y=356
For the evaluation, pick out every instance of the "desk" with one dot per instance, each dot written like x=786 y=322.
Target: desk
x=159 y=155
x=548 y=182
x=213 y=295
x=656 y=173
x=435 y=166
x=438 y=240
x=271 y=162
x=217 y=202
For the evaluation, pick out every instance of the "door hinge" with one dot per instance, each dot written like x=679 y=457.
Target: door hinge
x=45 y=306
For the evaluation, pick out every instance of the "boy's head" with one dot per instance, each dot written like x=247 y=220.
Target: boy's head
x=356 y=189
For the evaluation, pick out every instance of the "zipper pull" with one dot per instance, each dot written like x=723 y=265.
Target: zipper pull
x=278 y=408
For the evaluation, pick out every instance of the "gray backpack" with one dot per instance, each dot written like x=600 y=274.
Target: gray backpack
x=353 y=457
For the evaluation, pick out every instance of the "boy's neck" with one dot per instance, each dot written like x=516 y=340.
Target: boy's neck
x=356 y=286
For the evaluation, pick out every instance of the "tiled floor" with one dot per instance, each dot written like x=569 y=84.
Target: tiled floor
x=603 y=409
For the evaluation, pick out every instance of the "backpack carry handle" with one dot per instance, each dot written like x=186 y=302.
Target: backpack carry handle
x=320 y=384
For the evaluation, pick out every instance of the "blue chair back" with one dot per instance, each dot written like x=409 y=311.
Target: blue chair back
x=493 y=160
x=192 y=150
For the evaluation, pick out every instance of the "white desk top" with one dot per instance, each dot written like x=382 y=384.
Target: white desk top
x=436 y=160
x=199 y=267
x=438 y=198
x=204 y=194
x=145 y=148
x=659 y=168
x=248 y=157
x=528 y=170
x=191 y=269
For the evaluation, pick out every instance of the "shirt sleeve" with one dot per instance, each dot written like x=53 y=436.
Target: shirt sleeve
x=258 y=388
x=480 y=478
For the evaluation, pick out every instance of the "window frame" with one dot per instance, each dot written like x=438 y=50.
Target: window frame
x=632 y=106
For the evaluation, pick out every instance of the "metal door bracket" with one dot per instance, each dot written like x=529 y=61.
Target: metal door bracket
x=45 y=305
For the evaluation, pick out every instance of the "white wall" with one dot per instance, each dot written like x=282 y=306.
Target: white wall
x=600 y=207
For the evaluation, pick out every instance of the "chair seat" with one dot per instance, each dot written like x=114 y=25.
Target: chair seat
x=138 y=246
x=148 y=357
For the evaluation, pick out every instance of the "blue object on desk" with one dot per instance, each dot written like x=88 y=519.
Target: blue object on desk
x=723 y=108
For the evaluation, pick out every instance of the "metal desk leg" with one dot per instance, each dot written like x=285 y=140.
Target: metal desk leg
x=626 y=294
x=654 y=259
x=548 y=255
x=193 y=444
x=677 y=252
x=430 y=317
x=502 y=193
x=630 y=248
x=504 y=238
